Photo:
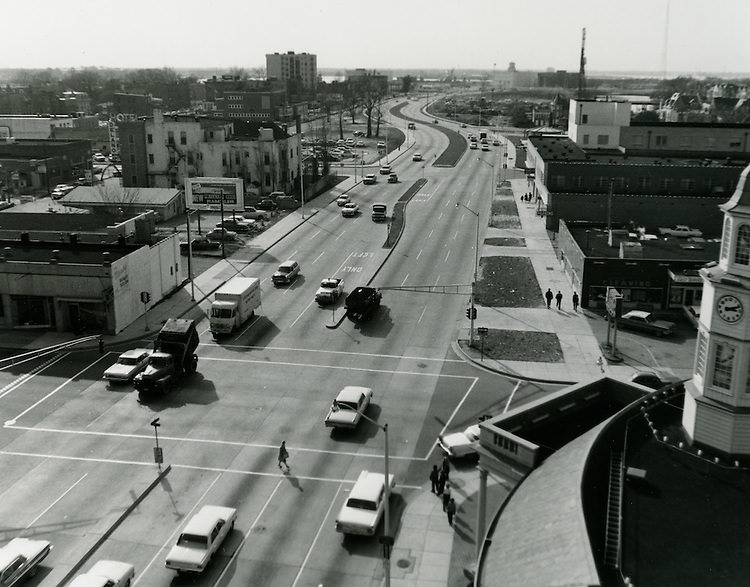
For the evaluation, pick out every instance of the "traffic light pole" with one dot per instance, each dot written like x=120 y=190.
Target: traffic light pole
x=473 y=310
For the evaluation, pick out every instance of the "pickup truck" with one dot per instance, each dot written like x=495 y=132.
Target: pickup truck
x=201 y=539
x=19 y=559
x=680 y=230
x=362 y=303
x=330 y=290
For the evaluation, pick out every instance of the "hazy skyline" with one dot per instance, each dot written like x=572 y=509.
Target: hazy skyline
x=440 y=34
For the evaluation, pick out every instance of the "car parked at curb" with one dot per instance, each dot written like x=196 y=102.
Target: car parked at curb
x=127 y=366
x=238 y=225
x=253 y=213
x=348 y=407
x=201 y=244
x=106 y=573
x=267 y=204
x=645 y=322
x=20 y=558
x=654 y=380
x=221 y=234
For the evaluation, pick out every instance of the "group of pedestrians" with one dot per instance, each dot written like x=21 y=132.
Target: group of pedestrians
x=441 y=486
x=549 y=296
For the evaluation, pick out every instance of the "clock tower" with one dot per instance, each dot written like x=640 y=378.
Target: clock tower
x=716 y=410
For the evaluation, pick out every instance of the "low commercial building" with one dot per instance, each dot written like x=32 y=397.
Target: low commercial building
x=108 y=198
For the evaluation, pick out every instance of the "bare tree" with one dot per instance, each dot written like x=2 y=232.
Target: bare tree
x=118 y=200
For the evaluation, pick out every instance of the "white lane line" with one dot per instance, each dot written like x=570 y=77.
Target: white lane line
x=54 y=391
x=248 y=327
x=429 y=235
x=317 y=535
x=440 y=216
x=339 y=236
x=50 y=506
x=419 y=254
x=344 y=263
x=292 y=256
x=438 y=279
x=246 y=534
x=405 y=278
x=455 y=235
x=448 y=254
x=318 y=257
x=316 y=234
x=420 y=319
x=455 y=411
x=510 y=398
x=353 y=354
x=13 y=385
x=302 y=312
x=173 y=534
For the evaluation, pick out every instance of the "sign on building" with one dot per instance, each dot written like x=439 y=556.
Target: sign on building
x=209 y=192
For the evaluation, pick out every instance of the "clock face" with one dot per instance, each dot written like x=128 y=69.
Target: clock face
x=729 y=308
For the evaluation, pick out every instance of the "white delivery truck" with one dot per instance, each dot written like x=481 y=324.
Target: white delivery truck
x=234 y=302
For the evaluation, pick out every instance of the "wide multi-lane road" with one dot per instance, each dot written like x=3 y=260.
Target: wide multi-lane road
x=76 y=454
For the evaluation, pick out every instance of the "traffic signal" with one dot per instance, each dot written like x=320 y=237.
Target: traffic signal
x=468 y=313
x=471 y=313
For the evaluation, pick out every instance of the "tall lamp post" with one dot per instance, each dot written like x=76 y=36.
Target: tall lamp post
x=492 y=185
x=386 y=540
x=473 y=311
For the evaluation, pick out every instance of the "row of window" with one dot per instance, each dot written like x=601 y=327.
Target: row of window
x=619 y=184
x=170 y=138
x=686 y=141
x=600 y=139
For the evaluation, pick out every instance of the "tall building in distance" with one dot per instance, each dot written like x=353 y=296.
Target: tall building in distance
x=299 y=68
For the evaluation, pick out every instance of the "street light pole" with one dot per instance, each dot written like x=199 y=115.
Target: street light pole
x=474 y=281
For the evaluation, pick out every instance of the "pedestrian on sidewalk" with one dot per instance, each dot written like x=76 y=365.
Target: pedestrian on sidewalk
x=558 y=299
x=446 y=467
x=434 y=479
x=548 y=296
x=446 y=496
x=442 y=480
x=283 y=455
x=575 y=302
x=450 y=509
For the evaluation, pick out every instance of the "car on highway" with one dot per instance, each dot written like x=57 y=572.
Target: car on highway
x=381 y=144
x=106 y=573
x=645 y=322
x=201 y=244
x=416 y=157
x=331 y=289
x=369 y=179
x=461 y=444
x=239 y=225
x=411 y=126
x=363 y=509
x=393 y=178
x=463 y=125
x=496 y=142
x=473 y=146
x=201 y=539
x=286 y=273
x=435 y=120
x=219 y=234
x=19 y=559
x=347 y=409
x=385 y=169
x=343 y=199
x=349 y=210
x=485 y=147
x=253 y=213
x=127 y=366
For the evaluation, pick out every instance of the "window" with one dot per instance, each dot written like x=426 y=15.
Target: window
x=131 y=140
x=149 y=139
x=742 y=248
x=151 y=158
x=557 y=181
x=132 y=158
x=183 y=137
x=644 y=183
x=637 y=140
x=687 y=184
x=618 y=184
x=268 y=180
x=584 y=118
x=604 y=182
x=661 y=140
x=735 y=143
x=724 y=354
x=685 y=141
x=667 y=183
x=725 y=238
x=170 y=137
x=578 y=182
x=237 y=158
x=700 y=354
x=266 y=159
x=585 y=139
x=224 y=159
x=602 y=140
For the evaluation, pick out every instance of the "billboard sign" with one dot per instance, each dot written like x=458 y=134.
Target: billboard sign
x=210 y=192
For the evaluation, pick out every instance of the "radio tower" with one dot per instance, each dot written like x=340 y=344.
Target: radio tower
x=582 y=69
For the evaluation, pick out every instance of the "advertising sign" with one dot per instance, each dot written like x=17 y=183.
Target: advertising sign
x=209 y=192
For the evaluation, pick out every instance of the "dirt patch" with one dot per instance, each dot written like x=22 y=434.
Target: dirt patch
x=505 y=242
x=522 y=345
x=494 y=288
x=504 y=214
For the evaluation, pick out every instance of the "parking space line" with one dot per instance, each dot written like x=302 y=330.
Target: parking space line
x=50 y=506
x=177 y=529
x=419 y=254
x=422 y=314
x=317 y=535
x=448 y=254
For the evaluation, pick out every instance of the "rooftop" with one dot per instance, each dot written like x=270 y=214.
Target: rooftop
x=119 y=196
x=79 y=253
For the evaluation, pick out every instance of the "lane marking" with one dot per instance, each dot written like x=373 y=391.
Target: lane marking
x=173 y=534
x=354 y=354
x=54 y=391
x=344 y=263
x=248 y=327
x=405 y=278
x=339 y=236
x=245 y=535
x=318 y=257
x=448 y=254
x=316 y=234
x=455 y=234
x=429 y=235
x=50 y=506
x=302 y=312
x=419 y=254
x=438 y=279
x=510 y=398
x=317 y=535
x=422 y=314
x=19 y=381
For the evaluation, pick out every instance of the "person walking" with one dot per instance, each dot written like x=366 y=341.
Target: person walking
x=558 y=299
x=446 y=467
x=442 y=480
x=548 y=296
x=575 y=302
x=446 y=496
x=450 y=509
x=283 y=455
x=434 y=479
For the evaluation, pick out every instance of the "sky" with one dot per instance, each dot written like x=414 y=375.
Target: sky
x=701 y=36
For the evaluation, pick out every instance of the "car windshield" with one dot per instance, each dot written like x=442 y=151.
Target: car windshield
x=221 y=312
x=192 y=540
x=128 y=361
x=361 y=504
x=328 y=284
x=345 y=406
x=283 y=269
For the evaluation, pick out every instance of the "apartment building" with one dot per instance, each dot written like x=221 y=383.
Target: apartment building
x=293 y=67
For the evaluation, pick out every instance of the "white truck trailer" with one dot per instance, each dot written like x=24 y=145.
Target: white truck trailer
x=234 y=302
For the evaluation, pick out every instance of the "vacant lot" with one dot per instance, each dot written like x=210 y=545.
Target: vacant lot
x=522 y=345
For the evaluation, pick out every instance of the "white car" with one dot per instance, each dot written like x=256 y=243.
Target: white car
x=416 y=157
x=473 y=146
x=348 y=407
x=128 y=365
x=331 y=289
x=343 y=199
x=20 y=558
x=252 y=213
x=99 y=158
x=460 y=444
x=106 y=574
x=364 y=507
x=360 y=144
x=385 y=169
x=369 y=179
x=201 y=538
x=349 y=210
x=381 y=144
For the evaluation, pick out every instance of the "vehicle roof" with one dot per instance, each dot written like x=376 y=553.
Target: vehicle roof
x=379 y=205
x=351 y=393
x=134 y=353
x=368 y=486
x=288 y=263
x=204 y=521
x=637 y=313
x=236 y=285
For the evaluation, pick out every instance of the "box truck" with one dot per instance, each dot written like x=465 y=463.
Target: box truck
x=234 y=302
